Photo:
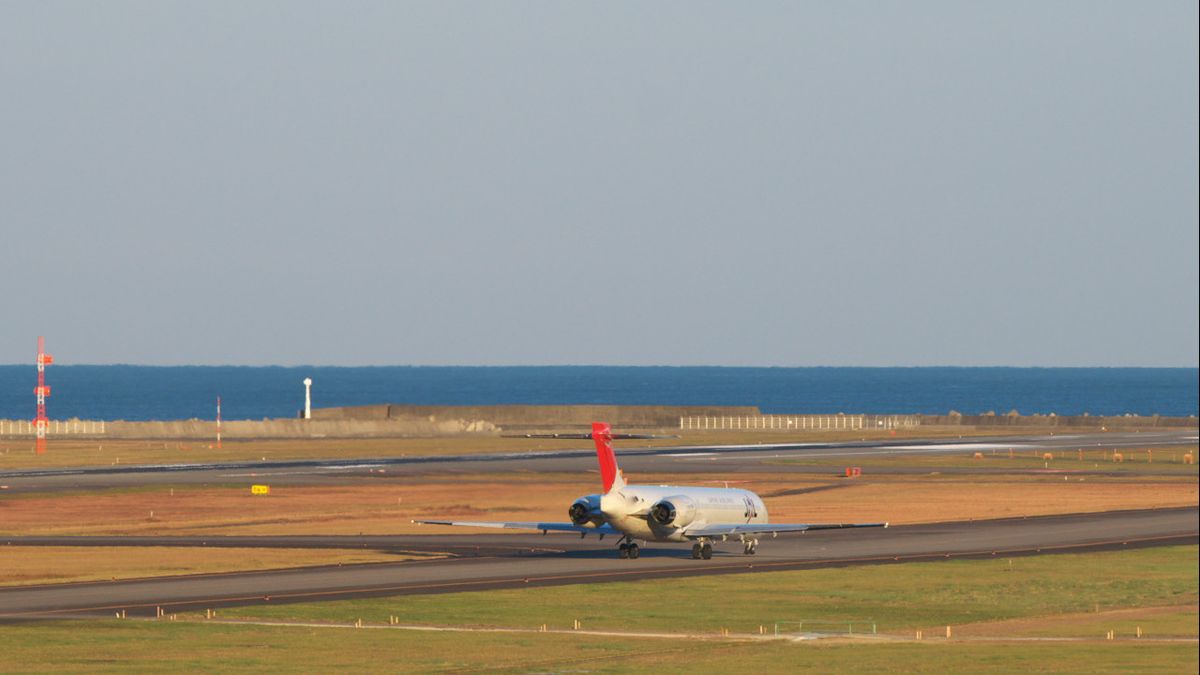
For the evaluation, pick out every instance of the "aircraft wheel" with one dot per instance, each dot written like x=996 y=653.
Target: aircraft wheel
x=706 y=551
x=634 y=551
x=624 y=551
x=695 y=551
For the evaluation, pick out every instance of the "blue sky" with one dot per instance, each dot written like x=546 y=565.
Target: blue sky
x=862 y=183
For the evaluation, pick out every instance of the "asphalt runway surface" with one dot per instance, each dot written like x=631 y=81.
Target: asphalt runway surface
x=520 y=561
x=679 y=460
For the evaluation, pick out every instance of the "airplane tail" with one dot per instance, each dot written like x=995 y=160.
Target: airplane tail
x=610 y=474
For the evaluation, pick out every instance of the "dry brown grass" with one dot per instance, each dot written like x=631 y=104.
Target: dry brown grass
x=66 y=451
x=63 y=564
x=387 y=506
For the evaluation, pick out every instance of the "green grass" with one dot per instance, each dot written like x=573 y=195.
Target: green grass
x=897 y=597
x=1170 y=623
x=141 y=646
x=900 y=597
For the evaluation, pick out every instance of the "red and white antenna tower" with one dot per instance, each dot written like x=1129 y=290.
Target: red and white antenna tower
x=42 y=391
x=218 y=422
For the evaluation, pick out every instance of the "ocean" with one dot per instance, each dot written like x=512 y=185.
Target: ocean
x=124 y=392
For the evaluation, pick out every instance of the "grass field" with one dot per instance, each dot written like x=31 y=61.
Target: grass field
x=65 y=451
x=1019 y=601
x=1134 y=461
x=899 y=598
x=106 y=646
x=68 y=564
x=1058 y=595
x=136 y=646
x=386 y=503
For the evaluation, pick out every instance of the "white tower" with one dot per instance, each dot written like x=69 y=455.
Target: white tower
x=308 y=398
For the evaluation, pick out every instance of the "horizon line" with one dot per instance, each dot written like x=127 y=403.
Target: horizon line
x=596 y=365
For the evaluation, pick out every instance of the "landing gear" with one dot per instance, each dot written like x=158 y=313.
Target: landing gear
x=628 y=549
x=751 y=547
x=702 y=551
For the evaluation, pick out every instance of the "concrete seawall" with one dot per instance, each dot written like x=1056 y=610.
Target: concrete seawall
x=513 y=417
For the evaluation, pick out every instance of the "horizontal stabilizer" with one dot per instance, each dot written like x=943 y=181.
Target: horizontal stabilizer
x=544 y=527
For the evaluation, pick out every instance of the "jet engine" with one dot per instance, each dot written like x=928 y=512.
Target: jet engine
x=673 y=511
x=586 y=510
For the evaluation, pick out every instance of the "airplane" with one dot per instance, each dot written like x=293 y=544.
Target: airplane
x=661 y=513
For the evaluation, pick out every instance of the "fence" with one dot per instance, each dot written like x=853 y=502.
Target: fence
x=800 y=422
x=864 y=627
x=54 y=428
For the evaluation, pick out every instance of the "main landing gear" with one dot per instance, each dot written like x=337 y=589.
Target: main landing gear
x=750 y=547
x=702 y=550
x=628 y=549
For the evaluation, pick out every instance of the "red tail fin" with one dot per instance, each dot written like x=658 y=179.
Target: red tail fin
x=610 y=475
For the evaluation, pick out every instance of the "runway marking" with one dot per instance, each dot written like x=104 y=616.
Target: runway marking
x=694 y=570
x=316 y=472
x=950 y=447
x=862 y=453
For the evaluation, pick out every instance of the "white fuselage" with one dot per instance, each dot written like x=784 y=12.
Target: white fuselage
x=631 y=509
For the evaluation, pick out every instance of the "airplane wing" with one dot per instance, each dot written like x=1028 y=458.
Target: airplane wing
x=764 y=528
x=544 y=527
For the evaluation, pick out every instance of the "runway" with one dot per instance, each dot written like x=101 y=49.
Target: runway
x=726 y=459
x=508 y=561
